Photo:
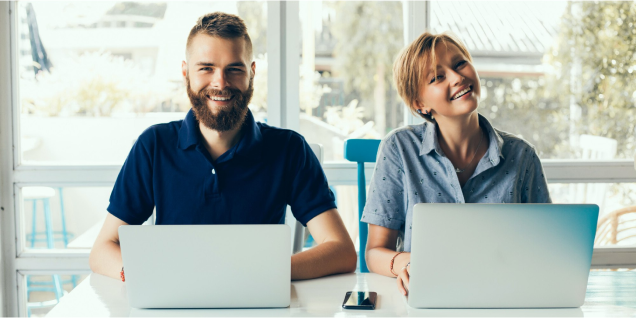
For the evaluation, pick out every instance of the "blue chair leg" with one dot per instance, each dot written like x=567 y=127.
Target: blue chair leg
x=32 y=241
x=59 y=291
x=64 y=233
x=74 y=280
x=49 y=224
x=34 y=222
x=363 y=228
x=57 y=281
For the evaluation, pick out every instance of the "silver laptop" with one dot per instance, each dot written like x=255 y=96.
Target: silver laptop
x=207 y=266
x=501 y=255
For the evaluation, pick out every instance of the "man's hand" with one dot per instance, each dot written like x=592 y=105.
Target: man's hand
x=334 y=254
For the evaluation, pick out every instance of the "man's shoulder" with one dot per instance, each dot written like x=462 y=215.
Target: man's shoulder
x=161 y=132
x=278 y=135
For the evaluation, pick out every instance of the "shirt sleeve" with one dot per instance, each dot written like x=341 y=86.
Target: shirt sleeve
x=132 y=198
x=309 y=193
x=386 y=203
x=535 y=188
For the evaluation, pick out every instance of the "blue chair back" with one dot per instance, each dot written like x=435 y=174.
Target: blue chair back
x=361 y=151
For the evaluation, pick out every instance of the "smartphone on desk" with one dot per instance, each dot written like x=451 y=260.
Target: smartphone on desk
x=360 y=300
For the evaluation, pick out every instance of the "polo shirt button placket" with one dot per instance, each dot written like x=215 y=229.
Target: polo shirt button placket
x=213 y=172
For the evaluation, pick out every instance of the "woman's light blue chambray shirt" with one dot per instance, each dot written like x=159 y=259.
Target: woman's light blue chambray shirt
x=411 y=168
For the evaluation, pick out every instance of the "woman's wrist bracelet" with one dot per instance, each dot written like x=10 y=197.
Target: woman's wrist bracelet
x=393 y=261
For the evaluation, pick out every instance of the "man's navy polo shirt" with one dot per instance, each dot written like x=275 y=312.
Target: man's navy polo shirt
x=252 y=183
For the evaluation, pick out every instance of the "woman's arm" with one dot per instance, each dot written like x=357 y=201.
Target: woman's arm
x=381 y=249
x=535 y=184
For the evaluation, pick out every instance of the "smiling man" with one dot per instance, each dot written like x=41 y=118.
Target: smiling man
x=219 y=166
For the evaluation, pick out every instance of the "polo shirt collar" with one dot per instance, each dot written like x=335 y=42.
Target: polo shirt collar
x=189 y=132
x=190 y=135
x=430 y=141
x=252 y=139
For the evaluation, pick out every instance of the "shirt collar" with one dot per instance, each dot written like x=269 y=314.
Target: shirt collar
x=189 y=132
x=190 y=135
x=430 y=141
x=252 y=139
x=496 y=141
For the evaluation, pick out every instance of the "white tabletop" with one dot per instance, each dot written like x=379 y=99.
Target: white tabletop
x=609 y=294
x=87 y=239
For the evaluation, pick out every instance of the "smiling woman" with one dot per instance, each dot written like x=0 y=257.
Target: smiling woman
x=456 y=156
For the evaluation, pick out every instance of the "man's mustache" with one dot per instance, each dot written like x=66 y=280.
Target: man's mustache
x=215 y=92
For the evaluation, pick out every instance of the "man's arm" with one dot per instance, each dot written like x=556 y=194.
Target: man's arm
x=105 y=255
x=334 y=254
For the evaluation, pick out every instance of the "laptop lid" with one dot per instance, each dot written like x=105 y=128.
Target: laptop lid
x=501 y=255
x=207 y=266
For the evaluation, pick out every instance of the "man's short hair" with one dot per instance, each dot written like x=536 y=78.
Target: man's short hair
x=222 y=25
x=409 y=68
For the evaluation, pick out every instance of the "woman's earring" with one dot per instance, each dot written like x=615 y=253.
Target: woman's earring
x=426 y=112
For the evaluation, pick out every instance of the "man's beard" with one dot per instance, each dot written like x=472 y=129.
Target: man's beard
x=227 y=117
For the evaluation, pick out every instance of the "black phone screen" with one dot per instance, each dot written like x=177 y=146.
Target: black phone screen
x=360 y=300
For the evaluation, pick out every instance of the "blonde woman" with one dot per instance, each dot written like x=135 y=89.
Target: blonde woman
x=455 y=156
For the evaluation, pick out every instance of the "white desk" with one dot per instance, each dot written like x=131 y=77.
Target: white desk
x=608 y=294
x=87 y=239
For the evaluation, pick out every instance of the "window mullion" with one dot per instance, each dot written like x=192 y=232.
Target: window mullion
x=416 y=20
x=283 y=98
x=275 y=90
x=8 y=102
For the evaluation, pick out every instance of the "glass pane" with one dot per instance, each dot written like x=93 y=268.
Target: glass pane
x=558 y=73
x=617 y=203
x=63 y=217
x=94 y=75
x=46 y=291
x=346 y=86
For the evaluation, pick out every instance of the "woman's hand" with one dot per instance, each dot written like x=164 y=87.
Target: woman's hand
x=403 y=279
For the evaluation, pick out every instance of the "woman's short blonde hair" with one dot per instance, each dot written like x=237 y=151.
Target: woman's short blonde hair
x=410 y=67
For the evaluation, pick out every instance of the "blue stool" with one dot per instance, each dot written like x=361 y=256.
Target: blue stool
x=43 y=194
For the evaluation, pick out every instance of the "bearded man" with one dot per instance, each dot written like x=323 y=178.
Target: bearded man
x=219 y=166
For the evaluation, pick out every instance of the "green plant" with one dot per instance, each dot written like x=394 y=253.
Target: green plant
x=594 y=69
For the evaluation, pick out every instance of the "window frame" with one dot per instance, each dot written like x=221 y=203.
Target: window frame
x=283 y=97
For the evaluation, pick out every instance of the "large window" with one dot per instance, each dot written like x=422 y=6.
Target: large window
x=346 y=83
x=559 y=74
x=94 y=75
x=89 y=77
